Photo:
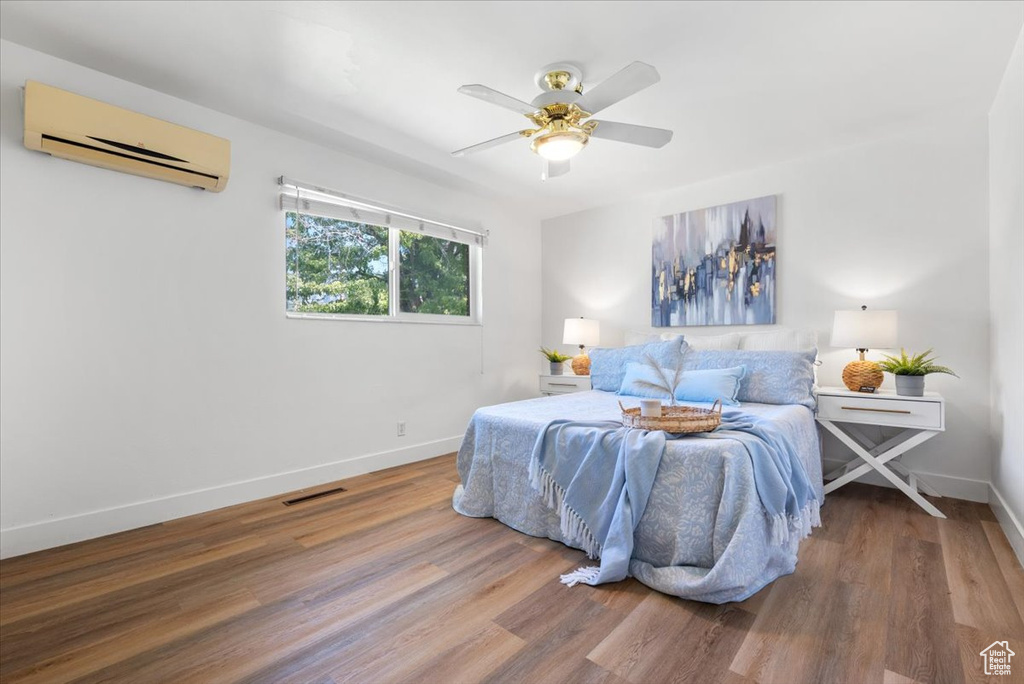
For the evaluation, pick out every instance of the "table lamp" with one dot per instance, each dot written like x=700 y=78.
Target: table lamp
x=863 y=330
x=581 y=331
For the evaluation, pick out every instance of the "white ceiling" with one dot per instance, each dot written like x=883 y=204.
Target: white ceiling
x=744 y=84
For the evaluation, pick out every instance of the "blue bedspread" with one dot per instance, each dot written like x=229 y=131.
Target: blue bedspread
x=703 y=534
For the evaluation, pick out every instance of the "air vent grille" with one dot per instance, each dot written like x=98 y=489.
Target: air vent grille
x=311 y=497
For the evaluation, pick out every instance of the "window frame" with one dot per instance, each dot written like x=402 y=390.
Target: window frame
x=395 y=314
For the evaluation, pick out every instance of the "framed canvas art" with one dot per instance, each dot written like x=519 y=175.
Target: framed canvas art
x=715 y=266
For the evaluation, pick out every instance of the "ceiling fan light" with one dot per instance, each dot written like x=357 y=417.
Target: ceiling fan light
x=559 y=145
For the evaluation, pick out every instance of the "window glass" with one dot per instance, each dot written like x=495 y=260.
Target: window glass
x=433 y=275
x=335 y=266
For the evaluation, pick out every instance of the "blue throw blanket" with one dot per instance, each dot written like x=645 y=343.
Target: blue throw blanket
x=599 y=476
x=782 y=484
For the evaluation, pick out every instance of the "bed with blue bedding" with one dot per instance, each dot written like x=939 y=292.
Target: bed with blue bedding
x=703 y=534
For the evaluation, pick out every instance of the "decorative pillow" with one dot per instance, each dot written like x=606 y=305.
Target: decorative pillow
x=695 y=385
x=773 y=377
x=608 y=365
x=726 y=341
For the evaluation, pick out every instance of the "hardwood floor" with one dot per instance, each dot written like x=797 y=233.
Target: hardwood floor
x=385 y=583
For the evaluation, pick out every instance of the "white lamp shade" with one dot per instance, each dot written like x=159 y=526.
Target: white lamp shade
x=585 y=331
x=864 y=329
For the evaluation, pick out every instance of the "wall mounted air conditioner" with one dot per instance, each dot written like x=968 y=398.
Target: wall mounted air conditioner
x=80 y=129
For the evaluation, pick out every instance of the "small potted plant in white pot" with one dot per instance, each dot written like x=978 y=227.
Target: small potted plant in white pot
x=910 y=371
x=556 y=358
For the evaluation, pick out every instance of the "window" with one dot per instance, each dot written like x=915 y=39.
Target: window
x=350 y=259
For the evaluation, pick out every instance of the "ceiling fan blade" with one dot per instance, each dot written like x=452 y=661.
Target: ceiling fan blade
x=482 y=92
x=632 y=134
x=553 y=169
x=494 y=142
x=619 y=86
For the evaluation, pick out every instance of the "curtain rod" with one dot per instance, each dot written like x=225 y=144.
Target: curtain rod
x=284 y=181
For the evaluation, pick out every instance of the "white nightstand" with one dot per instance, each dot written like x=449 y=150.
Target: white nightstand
x=563 y=384
x=842 y=412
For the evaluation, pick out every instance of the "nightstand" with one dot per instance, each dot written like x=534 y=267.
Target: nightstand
x=563 y=384
x=843 y=412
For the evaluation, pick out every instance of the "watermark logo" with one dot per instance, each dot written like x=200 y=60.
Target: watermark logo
x=997 y=658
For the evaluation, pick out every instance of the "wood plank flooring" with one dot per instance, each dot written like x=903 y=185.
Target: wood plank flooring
x=385 y=583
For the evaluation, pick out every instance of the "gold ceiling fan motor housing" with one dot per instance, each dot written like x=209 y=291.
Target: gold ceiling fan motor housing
x=559 y=124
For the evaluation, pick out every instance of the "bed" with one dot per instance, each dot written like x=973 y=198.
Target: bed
x=703 y=535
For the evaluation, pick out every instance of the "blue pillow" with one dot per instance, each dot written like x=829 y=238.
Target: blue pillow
x=696 y=385
x=608 y=365
x=773 y=377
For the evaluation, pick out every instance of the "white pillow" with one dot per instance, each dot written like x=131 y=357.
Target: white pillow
x=782 y=339
x=702 y=342
x=635 y=337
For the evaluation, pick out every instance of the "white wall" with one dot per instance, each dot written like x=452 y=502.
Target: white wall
x=148 y=370
x=897 y=224
x=1006 y=296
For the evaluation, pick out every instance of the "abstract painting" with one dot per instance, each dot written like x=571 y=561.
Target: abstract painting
x=715 y=266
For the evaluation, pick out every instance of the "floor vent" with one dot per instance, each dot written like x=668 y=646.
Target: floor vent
x=310 y=497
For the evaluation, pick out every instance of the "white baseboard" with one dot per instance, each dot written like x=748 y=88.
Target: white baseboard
x=1012 y=528
x=955 y=487
x=15 y=541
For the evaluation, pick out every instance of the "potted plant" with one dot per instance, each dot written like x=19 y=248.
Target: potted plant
x=910 y=371
x=556 y=358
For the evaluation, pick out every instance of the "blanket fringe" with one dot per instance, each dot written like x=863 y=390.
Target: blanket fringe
x=786 y=529
x=574 y=529
x=581 y=575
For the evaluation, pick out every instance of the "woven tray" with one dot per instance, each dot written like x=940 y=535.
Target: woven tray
x=675 y=419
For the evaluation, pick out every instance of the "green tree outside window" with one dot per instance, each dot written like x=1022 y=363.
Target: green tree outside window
x=337 y=267
x=434 y=275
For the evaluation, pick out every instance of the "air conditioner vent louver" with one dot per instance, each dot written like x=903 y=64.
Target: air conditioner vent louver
x=137 y=150
x=119 y=154
x=73 y=127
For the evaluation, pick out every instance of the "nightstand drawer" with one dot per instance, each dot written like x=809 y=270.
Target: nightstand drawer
x=564 y=384
x=912 y=413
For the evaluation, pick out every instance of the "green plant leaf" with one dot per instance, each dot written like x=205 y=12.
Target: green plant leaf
x=554 y=356
x=913 y=364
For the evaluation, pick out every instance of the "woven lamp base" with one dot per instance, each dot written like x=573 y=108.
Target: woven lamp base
x=859 y=374
x=581 y=364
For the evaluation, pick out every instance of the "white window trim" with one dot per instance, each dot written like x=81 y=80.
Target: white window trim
x=394 y=315
x=405 y=319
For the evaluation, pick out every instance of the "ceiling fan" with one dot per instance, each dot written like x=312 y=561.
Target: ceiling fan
x=558 y=114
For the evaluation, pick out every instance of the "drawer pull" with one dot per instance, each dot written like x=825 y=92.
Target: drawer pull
x=569 y=384
x=876 y=410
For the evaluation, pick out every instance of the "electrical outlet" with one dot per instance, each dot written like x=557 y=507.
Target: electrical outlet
x=401 y=428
